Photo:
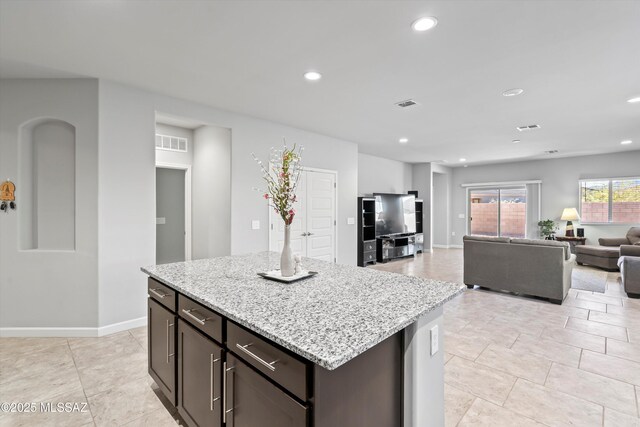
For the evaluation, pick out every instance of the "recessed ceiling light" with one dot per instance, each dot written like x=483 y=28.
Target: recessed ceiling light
x=515 y=141
x=403 y=140
x=462 y=159
x=312 y=75
x=626 y=142
x=513 y=92
x=424 y=23
x=633 y=100
x=466 y=166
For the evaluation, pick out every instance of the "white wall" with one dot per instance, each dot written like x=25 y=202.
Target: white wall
x=127 y=196
x=50 y=288
x=211 y=197
x=380 y=175
x=441 y=192
x=559 y=187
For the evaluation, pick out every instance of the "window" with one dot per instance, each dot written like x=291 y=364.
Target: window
x=498 y=212
x=610 y=201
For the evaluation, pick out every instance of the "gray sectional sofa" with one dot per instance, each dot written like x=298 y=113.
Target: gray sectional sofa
x=540 y=268
x=629 y=264
x=606 y=255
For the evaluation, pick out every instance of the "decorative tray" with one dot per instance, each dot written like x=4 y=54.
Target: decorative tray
x=275 y=275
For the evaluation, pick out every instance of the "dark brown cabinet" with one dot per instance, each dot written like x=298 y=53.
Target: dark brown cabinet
x=253 y=401
x=199 y=377
x=162 y=361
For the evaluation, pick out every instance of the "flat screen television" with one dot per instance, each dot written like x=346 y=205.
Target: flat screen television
x=395 y=214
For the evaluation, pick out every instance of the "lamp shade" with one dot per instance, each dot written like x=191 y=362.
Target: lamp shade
x=570 y=214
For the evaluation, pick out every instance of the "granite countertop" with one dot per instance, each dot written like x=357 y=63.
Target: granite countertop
x=328 y=319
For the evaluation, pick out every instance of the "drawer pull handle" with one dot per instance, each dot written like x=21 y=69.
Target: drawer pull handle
x=158 y=294
x=211 y=378
x=225 y=411
x=194 y=317
x=168 y=339
x=268 y=365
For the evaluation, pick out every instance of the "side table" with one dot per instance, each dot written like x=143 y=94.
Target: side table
x=573 y=241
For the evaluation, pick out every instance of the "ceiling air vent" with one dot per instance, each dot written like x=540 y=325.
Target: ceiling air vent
x=529 y=127
x=551 y=151
x=407 y=103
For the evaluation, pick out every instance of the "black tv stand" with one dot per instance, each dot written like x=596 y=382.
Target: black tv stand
x=398 y=246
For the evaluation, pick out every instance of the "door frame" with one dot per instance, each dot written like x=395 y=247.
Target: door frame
x=335 y=205
x=187 y=202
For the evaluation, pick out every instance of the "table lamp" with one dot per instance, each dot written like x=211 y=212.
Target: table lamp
x=569 y=214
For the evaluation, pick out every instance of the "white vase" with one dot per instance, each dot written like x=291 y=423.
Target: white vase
x=287 y=266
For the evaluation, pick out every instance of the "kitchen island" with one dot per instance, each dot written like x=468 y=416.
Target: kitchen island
x=348 y=347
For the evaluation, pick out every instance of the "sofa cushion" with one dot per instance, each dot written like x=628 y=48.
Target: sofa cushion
x=488 y=239
x=633 y=235
x=540 y=242
x=601 y=251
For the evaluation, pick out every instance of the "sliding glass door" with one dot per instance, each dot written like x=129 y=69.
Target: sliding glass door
x=498 y=212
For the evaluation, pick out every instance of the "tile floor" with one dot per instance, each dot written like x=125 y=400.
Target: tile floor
x=516 y=361
x=510 y=361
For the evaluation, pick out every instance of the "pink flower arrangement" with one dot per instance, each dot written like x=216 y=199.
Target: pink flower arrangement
x=282 y=177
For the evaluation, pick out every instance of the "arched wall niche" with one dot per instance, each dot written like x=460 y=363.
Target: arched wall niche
x=47 y=204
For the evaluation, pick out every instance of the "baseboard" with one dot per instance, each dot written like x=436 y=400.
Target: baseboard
x=73 y=332
x=456 y=246
x=448 y=246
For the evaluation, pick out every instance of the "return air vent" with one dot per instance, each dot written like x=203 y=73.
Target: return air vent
x=407 y=103
x=171 y=143
x=529 y=127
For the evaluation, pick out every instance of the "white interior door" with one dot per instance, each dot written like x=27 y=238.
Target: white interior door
x=313 y=232
x=298 y=227
x=321 y=215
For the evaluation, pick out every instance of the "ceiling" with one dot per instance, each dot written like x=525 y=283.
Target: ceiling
x=578 y=63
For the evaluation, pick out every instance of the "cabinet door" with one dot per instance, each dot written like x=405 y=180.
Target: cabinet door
x=252 y=401
x=199 y=378
x=162 y=362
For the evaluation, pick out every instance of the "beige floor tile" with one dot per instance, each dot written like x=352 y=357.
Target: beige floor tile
x=588 y=305
x=140 y=334
x=76 y=414
x=497 y=333
x=612 y=367
x=638 y=397
x=125 y=403
x=490 y=384
x=483 y=413
x=615 y=319
x=33 y=363
x=99 y=377
x=594 y=388
x=532 y=367
x=465 y=346
x=11 y=347
x=551 y=407
x=114 y=347
x=43 y=385
x=595 y=328
x=624 y=350
x=629 y=312
x=552 y=350
x=97 y=342
x=456 y=404
x=453 y=323
x=447 y=356
x=617 y=419
x=600 y=298
x=157 y=418
x=575 y=338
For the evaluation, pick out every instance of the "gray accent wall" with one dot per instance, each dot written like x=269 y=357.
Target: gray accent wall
x=380 y=175
x=55 y=287
x=211 y=196
x=559 y=187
